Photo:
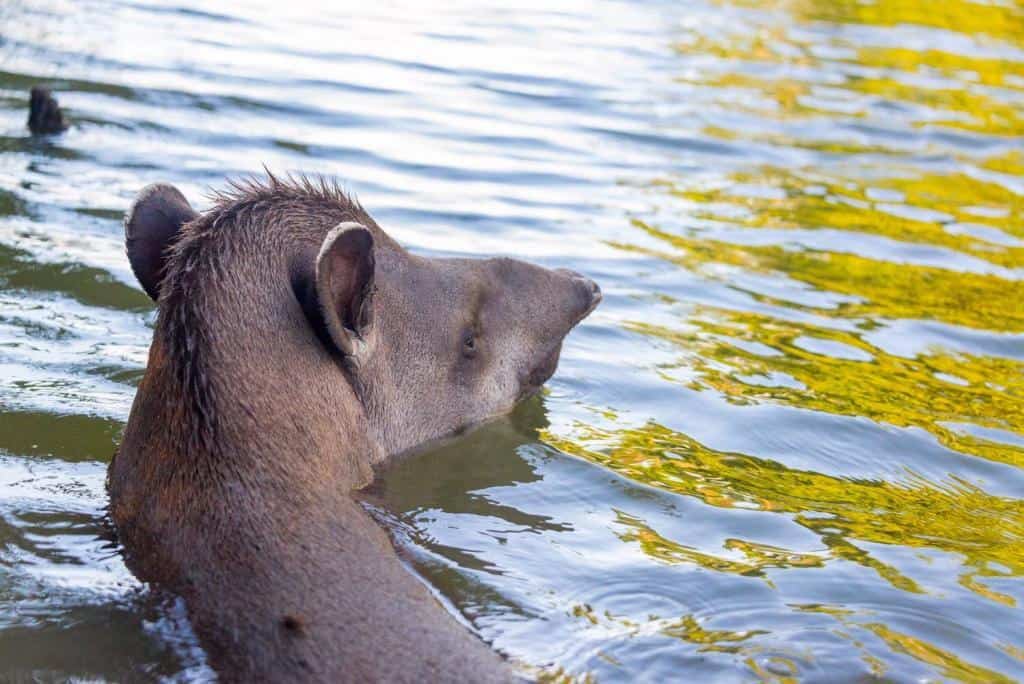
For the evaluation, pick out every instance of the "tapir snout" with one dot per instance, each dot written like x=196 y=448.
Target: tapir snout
x=586 y=291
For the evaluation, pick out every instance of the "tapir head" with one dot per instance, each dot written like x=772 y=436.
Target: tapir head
x=429 y=346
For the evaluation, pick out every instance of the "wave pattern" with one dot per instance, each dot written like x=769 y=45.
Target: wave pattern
x=789 y=445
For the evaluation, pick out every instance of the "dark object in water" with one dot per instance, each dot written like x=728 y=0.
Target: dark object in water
x=44 y=113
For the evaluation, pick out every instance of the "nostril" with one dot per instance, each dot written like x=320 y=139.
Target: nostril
x=588 y=292
x=595 y=295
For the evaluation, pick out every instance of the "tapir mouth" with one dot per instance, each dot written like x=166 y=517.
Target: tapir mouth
x=589 y=295
x=541 y=373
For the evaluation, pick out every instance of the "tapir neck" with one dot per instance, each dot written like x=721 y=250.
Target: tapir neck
x=244 y=385
x=285 y=577
x=242 y=421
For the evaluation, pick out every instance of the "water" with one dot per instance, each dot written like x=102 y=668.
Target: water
x=790 y=444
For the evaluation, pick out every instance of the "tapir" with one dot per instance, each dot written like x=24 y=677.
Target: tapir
x=297 y=349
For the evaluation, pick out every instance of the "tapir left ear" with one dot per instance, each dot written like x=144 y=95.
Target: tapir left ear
x=344 y=285
x=151 y=226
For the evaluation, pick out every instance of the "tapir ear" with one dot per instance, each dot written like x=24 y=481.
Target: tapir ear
x=151 y=226
x=344 y=284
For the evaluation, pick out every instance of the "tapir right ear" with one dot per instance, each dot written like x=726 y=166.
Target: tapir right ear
x=344 y=285
x=151 y=226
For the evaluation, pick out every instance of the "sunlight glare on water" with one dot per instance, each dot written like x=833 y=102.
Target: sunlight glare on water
x=788 y=446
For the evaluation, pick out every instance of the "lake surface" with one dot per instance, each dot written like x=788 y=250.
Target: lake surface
x=790 y=443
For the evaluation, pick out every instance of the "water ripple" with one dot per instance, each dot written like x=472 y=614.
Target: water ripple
x=787 y=445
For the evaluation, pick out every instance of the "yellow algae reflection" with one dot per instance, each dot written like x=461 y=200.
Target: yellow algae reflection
x=1002 y=21
x=757 y=557
x=686 y=628
x=985 y=530
x=947 y=663
x=929 y=391
x=792 y=65
x=886 y=289
x=961 y=107
x=689 y=629
x=990 y=71
x=951 y=107
x=874 y=188
x=886 y=207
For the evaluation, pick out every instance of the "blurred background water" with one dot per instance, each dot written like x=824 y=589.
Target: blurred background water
x=789 y=445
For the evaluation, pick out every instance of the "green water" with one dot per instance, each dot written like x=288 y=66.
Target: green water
x=788 y=446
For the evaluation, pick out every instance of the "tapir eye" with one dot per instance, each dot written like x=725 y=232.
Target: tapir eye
x=469 y=344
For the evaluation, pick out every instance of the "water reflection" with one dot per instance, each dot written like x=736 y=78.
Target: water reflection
x=64 y=583
x=861 y=287
x=788 y=445
x=839 y=371
x=983 y=529
x=880 y=196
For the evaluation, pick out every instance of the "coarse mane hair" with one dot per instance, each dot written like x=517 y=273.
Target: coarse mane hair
x=197 y=258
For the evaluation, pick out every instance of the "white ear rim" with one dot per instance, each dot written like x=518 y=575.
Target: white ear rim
x=351 y=344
